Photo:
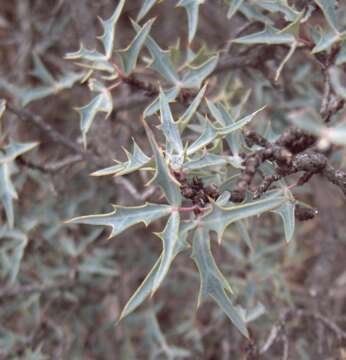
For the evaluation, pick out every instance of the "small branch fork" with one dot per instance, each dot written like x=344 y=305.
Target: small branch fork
x=291 y=153
x=279 y=330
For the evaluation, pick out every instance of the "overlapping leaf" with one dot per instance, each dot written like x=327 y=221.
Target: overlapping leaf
x=51 y=85
x=234 y=5
x=170 y=127
x=101 y=103
x=7 y=190
x=145 y=8
x=107 y=38
x=220 y=217
x=213 y=283
x=161 y=61
x=129 y=56
x=328 y=8
x=192 y=8
x=149 y=283
x=162 y=176
x=135 y=161
x=194 y=76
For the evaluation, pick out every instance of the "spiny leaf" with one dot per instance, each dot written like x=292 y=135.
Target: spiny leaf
x=95 y=60
x=207 y=160
x=208 y=135
x=191 y=110
x=101 y=103
x=107 y=38
x=41 y=72
x=147 y=286
x=7 y=190
x=213 y=283
x=234 y=5
x=28 y=94
x=124 y=217
x=191 y=8
x=170 y=94
x=341 y=56
x=326 y=40
x=161 y=61
x=162 y=176
x=280 y=6
x=220 y=217
x=268 y=36
x=328 y=9
x=12 y=250
x=2 y=106
x=129 y=55
x=286 y=211
x=135 y=161
x=169 y=127
x=145 y=8
x=238 y=124
x=225 y=118
x=13 y=150
x=85 y=54
x=169 y=238
x=194 y=76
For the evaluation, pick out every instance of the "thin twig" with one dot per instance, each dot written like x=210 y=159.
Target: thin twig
x=133 y=191
x=27 y=116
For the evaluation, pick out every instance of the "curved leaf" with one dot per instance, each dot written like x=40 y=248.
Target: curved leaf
x=121 y=218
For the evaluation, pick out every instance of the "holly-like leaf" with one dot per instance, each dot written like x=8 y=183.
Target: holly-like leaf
x=134 y=162
x=12 y=250
x=147 y=286
x=169 y=238
x=328 y=9
x=41 y=72
x=101 y=103
x=169 y=127
x=220 y=217
x=213 y=283
x=145 y=8
x=162 y=177
x=207 y=160
x=286 y=212
x=121 y=218
x=170 y=94
x=289 y=12
x=161 y=61
x=235 y=139
x=194 y=76
x=95 y=60
x=28 y=94
x=86 y=54
x=129 y=55
x=207 y=136
x=107 y=38
x=12 y=151
x=234 y=5
x=239 y=123
x=326 y=40
x=2 y=106
x=191 y=110
x=7 y=190
x=191 y=8
x=268 y=36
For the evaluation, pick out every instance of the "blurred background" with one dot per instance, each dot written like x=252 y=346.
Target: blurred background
x=72 y=282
